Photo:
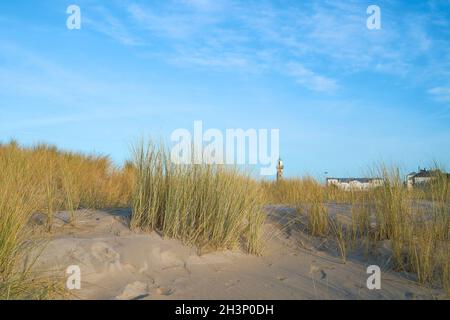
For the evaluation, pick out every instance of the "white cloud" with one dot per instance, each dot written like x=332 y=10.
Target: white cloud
x=104 y=22
x=207 y=60
x=30 y=74
x=441 y=94
x=173 y=25
x=206 y=5
x=324 y=35
x=310 y=79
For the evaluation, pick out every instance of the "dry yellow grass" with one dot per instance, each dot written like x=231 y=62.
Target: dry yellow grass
x=213 y=207
x=293 y=191
x=415 y=222
x=44 y=179
x=210 y=206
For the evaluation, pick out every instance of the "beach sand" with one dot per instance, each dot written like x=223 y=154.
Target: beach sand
x=117 y=263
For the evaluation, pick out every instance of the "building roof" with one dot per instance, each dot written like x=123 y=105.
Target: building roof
x=424 y=173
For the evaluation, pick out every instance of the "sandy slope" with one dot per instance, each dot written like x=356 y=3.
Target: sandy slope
x=119 y=264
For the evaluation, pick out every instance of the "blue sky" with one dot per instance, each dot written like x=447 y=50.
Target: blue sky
x=344 y=97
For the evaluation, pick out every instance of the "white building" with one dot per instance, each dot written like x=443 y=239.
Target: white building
x=422 y=178
x=348 y=184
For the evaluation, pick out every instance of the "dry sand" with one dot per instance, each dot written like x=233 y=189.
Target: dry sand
x=119 y=264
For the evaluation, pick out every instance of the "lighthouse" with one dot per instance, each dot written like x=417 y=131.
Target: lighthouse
x=280 y=168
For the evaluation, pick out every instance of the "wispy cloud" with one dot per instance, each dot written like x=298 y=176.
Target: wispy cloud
x=310 y=79
x=232 y=34
x=29 y=74
x=224 y=41
x=441 y=94
x=172 y=24
x=322 y=41
x=204 y=5
x=83 y=116
x=102 y=20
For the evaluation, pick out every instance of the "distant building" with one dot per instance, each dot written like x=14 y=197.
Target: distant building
x=280 y=168
x=348 y=184
x=422 y=178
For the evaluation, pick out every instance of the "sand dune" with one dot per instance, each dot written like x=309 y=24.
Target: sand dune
x=119 y=264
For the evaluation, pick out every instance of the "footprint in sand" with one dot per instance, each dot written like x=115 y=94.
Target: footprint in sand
x=170 y=260
x=281 y=278
x=106 y=255
x=134 y=291
x=232 y=283
x=314 y=269
x=162 y=291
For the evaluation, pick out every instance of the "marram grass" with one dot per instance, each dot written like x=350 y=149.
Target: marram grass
x=43 y=179
x=210 y=206
x=415 y=222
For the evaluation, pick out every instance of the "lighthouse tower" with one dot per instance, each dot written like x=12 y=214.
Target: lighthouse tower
x=280 y=168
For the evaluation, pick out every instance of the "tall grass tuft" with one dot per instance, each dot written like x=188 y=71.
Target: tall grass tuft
x=43 y=179
x=210 y=206
x=392 y=212
x=414 y=223
x=339 y=230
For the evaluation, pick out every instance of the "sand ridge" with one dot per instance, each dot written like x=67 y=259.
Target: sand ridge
x=117 y=263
